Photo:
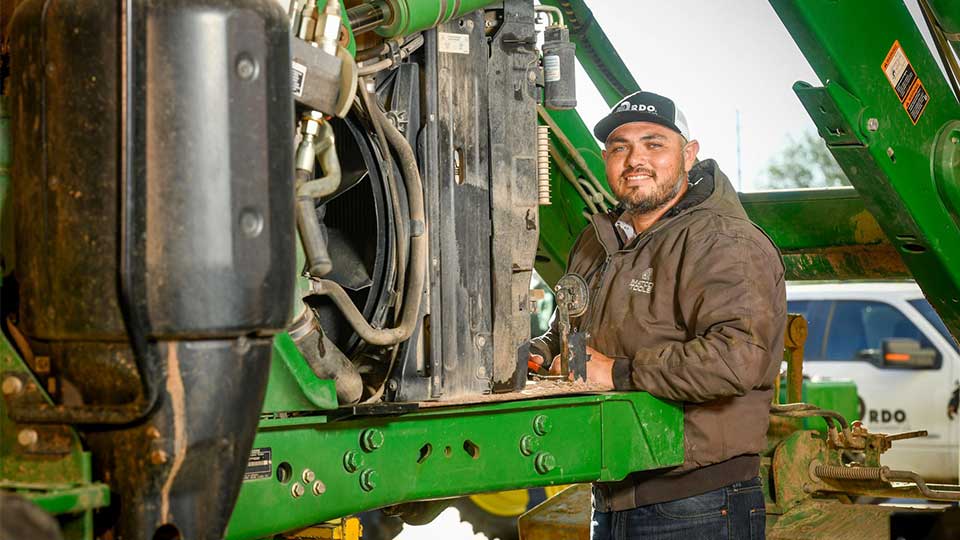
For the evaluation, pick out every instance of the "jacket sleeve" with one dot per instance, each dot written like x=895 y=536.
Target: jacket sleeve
x=730 y=294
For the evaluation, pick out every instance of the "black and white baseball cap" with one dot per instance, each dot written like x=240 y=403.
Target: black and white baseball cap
x=643 y=107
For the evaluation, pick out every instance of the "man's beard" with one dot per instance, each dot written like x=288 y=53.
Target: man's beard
x=635 y=201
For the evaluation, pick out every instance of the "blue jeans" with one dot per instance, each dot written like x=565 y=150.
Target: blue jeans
x=735 y=512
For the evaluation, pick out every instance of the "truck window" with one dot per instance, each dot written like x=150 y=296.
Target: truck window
x=929 y=314
x=857 y=326
x=816 y=313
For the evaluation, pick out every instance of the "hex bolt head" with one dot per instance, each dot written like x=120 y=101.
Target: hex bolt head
x=308 y=476
x=368 y=479
x=27 y=437
x=297 y=490
x=873 y=124
x=352 y=461
x=542 y=425
x=529 y=445
x=12 y=386
x=247 y=67
x=544 y=462
x=371 y=439
x=319 y=488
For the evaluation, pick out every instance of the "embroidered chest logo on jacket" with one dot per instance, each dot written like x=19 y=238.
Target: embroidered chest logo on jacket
x=644 y=284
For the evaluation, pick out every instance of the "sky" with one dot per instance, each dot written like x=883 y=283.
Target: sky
x=712 y=58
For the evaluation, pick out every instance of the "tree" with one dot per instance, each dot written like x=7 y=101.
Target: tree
x=805 y=162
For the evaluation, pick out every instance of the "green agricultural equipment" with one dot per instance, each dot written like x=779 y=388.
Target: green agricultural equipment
x=267 y=263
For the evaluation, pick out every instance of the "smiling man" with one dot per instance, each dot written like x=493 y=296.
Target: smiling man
x=687 y=302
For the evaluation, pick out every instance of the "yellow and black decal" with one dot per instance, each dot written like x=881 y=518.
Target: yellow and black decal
x=905 y=82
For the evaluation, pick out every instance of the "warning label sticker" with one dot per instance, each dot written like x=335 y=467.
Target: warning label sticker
x=453 y=43
x=905 y=82
x=260 y=464
x=298 y=74
x=916 y=101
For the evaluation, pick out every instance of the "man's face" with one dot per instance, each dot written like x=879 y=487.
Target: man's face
x=647 y=165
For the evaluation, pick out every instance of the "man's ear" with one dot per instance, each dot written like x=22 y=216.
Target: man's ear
x=603 y=154
x=690 y=154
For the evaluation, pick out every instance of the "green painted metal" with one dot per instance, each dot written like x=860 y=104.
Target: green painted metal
x=59 y=479
x=292 y=385
x=562 y=221
x=447 y=451
x=65 y=499
x=411 y=16
x=596 y=54
x=948 y=15
x=885 y=156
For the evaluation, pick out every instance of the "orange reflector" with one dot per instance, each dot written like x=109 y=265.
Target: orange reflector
x=897 y=357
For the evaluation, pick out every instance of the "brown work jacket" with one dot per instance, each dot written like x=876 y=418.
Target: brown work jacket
x=693 y=310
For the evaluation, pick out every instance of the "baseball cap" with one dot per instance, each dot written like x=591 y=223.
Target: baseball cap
x=643 y=107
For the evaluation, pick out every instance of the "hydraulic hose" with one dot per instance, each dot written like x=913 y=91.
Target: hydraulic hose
x=317 y=142
x=418 y=251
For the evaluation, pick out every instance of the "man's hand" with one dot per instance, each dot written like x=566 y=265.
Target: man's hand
x=535 y=363
x=599 y=369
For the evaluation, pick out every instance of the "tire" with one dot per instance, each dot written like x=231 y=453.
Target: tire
x=491 y=525
x=379 y=526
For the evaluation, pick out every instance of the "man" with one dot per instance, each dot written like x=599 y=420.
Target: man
x=687 y=302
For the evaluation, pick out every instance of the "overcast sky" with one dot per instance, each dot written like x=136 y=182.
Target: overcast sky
x=713 y=58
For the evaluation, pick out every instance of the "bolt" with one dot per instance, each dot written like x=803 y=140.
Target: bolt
x=27 y=437
x=371 y=439
x=480 y=341
x=308 y=476
x=531 y=76
x=955 y=140
x=246 y=67
x=529 y=445
x=368 y=479
x=544 y=462
x=873 y=124
x=297 y=490
x=319 y=488
x=542 y=425
x=890 y=153
x=12 y=386
x=352 y=461
x=153 y=432
x=158 y=457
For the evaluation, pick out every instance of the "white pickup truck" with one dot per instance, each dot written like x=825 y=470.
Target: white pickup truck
x=887 y=339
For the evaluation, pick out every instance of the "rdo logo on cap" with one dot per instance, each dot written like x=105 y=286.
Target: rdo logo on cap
x=640 y=107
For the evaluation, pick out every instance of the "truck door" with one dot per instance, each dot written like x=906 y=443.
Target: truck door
x=894 y=400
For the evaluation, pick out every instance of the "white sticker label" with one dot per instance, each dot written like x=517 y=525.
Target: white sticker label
x=298 y=74
x=453 y=43
x=551 y=68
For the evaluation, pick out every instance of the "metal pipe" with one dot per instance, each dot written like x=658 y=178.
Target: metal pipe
x=318 y=142
x=910 y=476
x=366 y=17
x=551 y=9
x=408 y=16
x=543 y=165
x=328 y=28
x=418 y=251
x=575 y=154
